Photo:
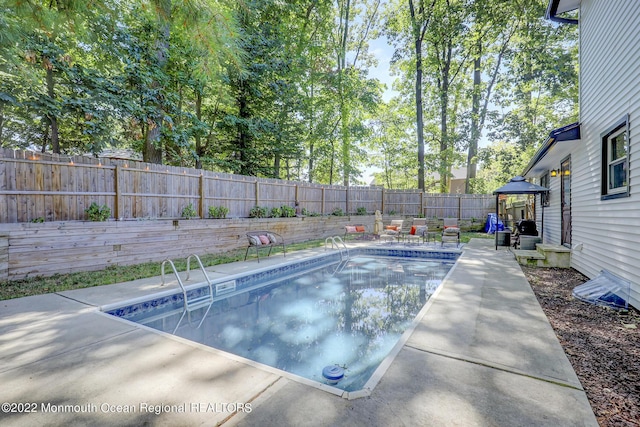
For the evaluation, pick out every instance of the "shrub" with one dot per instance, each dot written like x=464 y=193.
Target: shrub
x=258 y=212
x=361 y=211
x=189 y=212
x=218 y=211
x=337 y=212
x=276 y=213
x=288 y=211
x=305 y=212
x=98 y=213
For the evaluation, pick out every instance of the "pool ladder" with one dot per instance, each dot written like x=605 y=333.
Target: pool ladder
x=338 y=243
x=195 y=302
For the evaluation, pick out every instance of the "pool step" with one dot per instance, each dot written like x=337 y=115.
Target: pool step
x=544 y=256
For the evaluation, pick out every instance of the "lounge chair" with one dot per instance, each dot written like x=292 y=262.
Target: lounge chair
x=393 y=230
x=357 y=229
x=263 y=239
x=418 y=230
x=450 y=231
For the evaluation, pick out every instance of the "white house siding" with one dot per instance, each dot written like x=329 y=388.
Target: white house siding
x=606 y=234
x=552 y=218
x=552 y=215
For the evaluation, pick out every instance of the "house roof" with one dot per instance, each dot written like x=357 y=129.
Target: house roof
x=557 y=7
x=555 y=148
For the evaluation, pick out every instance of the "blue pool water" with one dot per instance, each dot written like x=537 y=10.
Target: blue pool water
x=337 y=314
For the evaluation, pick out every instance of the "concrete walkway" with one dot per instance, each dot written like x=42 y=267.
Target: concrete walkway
x=484 y=354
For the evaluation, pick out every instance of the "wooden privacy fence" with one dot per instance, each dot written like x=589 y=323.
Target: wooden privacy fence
x=47 y=187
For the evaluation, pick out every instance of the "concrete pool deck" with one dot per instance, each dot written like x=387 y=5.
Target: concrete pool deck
x=483 y=354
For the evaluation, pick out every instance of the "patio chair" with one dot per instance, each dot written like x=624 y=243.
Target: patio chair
x=393 y=230
x=450 y=231
x=263 y=239
x=355 y=230
x=418 y=230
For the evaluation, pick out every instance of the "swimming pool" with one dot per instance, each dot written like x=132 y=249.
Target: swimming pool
x=310 y=316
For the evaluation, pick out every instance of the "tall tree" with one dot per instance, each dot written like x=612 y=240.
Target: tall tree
x=493 y=27
x=420 y=20
x=354 y=31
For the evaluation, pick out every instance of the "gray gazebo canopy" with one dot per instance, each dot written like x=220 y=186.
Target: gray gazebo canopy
x=518 y=185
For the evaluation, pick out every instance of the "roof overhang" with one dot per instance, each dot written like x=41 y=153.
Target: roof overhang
x=557 y=7
x=555 y=149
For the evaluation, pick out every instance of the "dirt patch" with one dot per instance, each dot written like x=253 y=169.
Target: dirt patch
x=602 y=344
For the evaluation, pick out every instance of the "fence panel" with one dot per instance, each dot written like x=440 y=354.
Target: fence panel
x=477 y=206
x=335 y=198
x=235 y=192
x=369 y=198
x=311 y=197
x=59 y=188
x=403 y=202
x=442 y=206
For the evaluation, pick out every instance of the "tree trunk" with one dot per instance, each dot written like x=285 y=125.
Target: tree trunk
x=344 y=113
x=152 y=149
x=244 y=139
x=419 y=29
x=198 y=137
x=419 y=117
x=475 y=119
x=53 y=120
x=445 y=165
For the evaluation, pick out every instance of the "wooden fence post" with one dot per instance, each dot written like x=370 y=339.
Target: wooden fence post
x=202 y=193
x=382 y=202
x=346 y=202
x=257 y=193
x=4 y=257
x=117 y=184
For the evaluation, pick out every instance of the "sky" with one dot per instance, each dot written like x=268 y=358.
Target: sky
x=383 y=51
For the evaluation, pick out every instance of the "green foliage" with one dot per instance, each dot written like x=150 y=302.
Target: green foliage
x=275 y=212
x=258 y=212
x=218 y=211
x=306 y=212
x=337 y=212
x=189 y=212
x=361 y=211
x=96 y=212
x=287 y=211
x=37 y=220
x=281 y=89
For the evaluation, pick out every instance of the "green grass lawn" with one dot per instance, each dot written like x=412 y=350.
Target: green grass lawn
x=118 y=274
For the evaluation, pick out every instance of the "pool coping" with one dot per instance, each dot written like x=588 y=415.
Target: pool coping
x=491 y=358
x=318 y=261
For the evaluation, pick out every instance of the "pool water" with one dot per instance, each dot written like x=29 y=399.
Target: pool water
x=348 y=314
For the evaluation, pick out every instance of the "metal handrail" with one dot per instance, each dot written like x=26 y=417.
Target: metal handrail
x=201 y=268
x=335 y=242
x=197 y=302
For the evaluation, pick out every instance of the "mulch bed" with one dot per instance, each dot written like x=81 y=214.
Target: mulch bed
x=600 y=343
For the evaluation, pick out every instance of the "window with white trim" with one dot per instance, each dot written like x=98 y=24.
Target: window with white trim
x=615 y=160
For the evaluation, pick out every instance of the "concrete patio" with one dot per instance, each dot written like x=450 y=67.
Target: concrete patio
x=484 y=354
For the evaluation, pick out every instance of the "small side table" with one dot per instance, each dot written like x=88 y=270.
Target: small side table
x=430 y=235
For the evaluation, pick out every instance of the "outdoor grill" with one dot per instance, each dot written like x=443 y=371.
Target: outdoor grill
x=527 y=227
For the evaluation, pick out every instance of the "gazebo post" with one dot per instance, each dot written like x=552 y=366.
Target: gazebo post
x=497 y=221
